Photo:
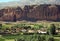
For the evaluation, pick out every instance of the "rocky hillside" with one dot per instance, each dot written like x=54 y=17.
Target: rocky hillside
x=31 y=13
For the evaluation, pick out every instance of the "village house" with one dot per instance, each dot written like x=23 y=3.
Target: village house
x=58 y=30
x=31 y=31
x=42 y=30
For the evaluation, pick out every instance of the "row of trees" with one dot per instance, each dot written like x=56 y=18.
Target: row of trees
x=51 y=30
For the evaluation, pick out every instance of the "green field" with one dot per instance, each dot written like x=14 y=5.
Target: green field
x=34 y=37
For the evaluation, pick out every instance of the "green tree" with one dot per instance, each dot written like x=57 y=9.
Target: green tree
x=0 y=26
x=52 y=29
x=20 y=40
x=51 y=39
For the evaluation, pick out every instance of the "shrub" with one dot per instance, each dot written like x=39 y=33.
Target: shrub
x=1 y=39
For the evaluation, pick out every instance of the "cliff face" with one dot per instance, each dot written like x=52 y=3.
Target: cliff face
x=31 y=13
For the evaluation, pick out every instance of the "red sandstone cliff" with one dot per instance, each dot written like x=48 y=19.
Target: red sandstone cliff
x=31 y=13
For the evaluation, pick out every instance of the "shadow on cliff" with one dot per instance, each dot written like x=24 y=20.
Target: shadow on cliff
x=27 y=19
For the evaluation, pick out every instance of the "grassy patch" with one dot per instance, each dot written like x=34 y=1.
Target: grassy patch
x=9 y=40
